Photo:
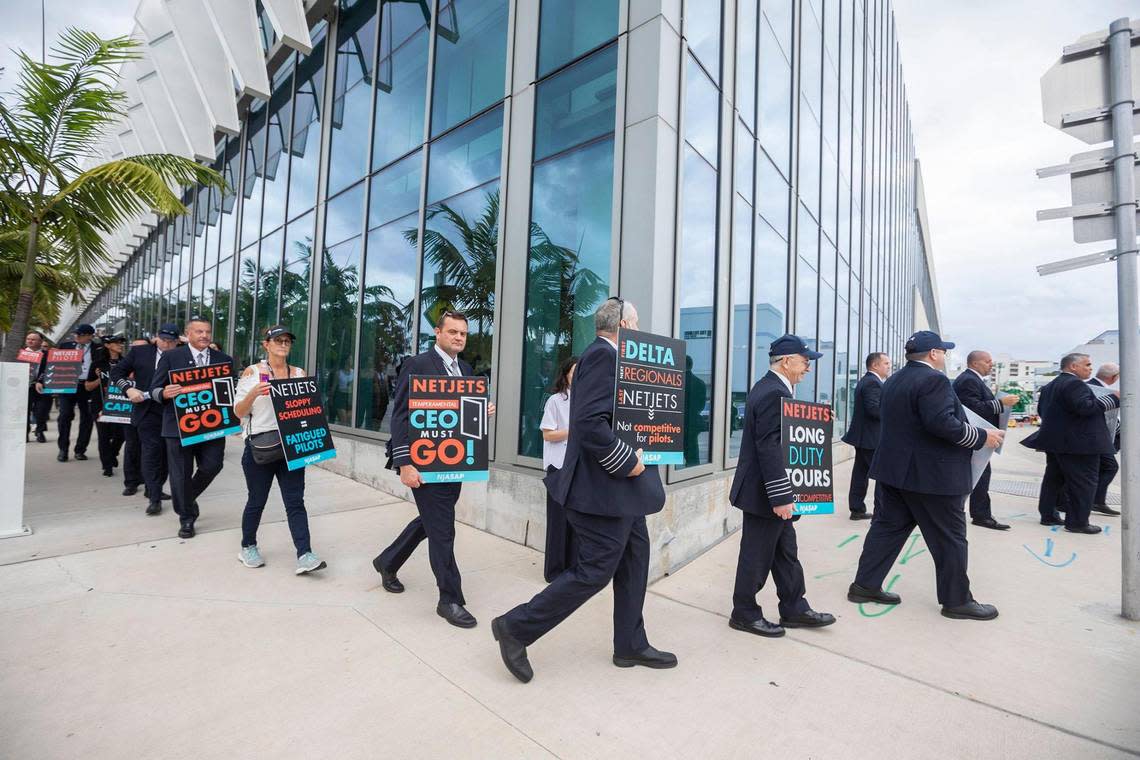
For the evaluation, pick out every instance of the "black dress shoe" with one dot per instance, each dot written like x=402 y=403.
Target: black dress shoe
x=648 y=657
x=187 y=529
x=1104 y=509
x=80 y=456
x=857 y=593
x=1088 y=529
x=154 y=508
x=808 y=619
x=40 y=438
x=512 y=651
x=759 y=627
x=990 y=523
x=164 y=496
x=971 y=610
x=455 y=614
x=860 y=515
x=388 y=580
x=1054 y=520
x=130 y=490
x=62 y=457
x=107 y=472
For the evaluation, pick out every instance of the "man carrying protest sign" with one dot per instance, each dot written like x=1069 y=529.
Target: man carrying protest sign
x=194 y=467
x=761 y=489
x=607 y=491
x=435 y=501
x=39 y=404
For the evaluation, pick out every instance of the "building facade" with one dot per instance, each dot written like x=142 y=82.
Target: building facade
x=736 y=169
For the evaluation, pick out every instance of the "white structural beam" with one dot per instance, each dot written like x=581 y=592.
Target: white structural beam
x=235 y=24
x=176 y=78
x=161 y=109
x=288 y=20
x=206 y=61
x=138 y=111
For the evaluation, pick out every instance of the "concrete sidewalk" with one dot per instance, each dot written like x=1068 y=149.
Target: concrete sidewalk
x=119 y=640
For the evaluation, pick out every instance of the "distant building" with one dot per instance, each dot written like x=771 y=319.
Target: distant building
x=1102 y=349
x=1027 y=374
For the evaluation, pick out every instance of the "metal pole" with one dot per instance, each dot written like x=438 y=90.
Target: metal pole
x=1124 y=186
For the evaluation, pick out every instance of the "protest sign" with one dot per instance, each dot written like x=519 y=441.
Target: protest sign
x=805 y=435
x=204 y=408
x=447 y=426
x=649 y=400
x=62 y=371
x=116 y=407
x=981 y=457
x=301 y=421
x=32 y=358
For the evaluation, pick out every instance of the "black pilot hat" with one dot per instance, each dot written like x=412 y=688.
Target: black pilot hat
x=792 y=344
x=277 y=331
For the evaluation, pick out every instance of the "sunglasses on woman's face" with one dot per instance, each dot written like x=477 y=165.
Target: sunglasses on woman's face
x=283 y=341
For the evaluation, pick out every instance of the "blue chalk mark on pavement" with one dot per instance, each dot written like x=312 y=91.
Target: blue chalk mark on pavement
x=1048 y=552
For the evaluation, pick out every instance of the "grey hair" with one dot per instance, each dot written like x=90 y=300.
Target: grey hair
x=608 y=317
x=777 y=359
x=1069 y=360
x=1107 y=370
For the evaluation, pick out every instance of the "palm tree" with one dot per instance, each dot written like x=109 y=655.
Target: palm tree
x=51 y=208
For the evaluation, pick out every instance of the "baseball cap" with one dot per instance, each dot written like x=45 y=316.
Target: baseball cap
x=792 y=344
x=168 y=331
x=925 y=340
x=85 y=330
x=115 y=339
x=277 y=331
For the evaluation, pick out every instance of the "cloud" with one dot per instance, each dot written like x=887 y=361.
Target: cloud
x=972 y=72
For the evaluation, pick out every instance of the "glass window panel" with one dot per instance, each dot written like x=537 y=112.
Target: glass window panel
x=401 y=81
x=228 y=226
x=772 y=196
x=809 y=160
x=746 y=11
x=697 y=322
x=276 y=158
x=389 y=290
x=778 y=14
x=295 y=279
x=243 y=316
x=702 y=111
x=741 y=322
x=769 y=285
x=807 y=282
x=306 y=146
x=268 y=284
x=222 y=292
x=569 y=28
x=775 y=100
x=576 y=105
x=352 y=94
x=470 y=60
x=744 y=148
x=253 y=175
x=568 y=270
x=469 y=156
x=340 y=299
x=702 y=30
x=824 y=368
x=842 y=361
x=811 y=60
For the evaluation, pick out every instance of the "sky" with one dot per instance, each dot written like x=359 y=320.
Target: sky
x=972 y=70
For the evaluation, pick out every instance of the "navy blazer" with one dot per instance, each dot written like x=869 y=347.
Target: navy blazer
x=1114 y=433
x=761 y=481
x=976 y=396
x=863 y=433
x=428 y=363
x=594 y=475
x=136 y=370
x=1072 y=418
x=179 y=358
x=926 y=444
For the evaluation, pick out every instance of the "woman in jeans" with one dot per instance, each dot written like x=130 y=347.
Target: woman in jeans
x=256 y=412
x=555 y=426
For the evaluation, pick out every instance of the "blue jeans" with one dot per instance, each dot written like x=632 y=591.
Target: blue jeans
x=258 y=481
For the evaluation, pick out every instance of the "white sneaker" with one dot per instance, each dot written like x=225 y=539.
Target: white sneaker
x=250 y=556
x=308 y=562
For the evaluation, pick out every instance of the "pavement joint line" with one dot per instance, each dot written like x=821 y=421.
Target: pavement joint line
x=222 y=600
x=439 y=673
x=915 y=679
x=221 y=529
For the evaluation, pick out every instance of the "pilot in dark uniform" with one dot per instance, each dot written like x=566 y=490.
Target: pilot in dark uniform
x=194 y=467
x=863 y=432
x=1074 y=436
x=1107 y=375
x=923 y=468
x=607 y=492
x=135 y=374
x=974 y=392
x=434 y=501
x=761 y=489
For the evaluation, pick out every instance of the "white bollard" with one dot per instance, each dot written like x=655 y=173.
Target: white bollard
x=13 y=447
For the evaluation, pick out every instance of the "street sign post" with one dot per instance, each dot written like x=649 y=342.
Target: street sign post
x=1090 y=93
